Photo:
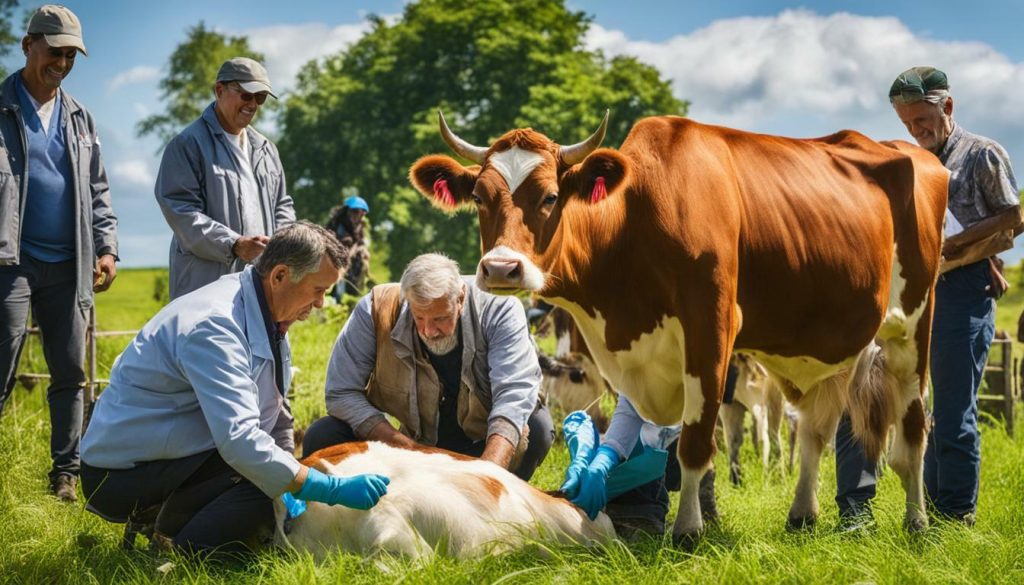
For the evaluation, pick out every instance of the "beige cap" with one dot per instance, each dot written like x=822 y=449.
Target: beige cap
x=248 y=73
x=59 y=26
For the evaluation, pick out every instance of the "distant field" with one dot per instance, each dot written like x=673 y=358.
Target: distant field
x=42 y=541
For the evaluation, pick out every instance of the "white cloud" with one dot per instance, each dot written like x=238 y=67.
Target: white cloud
x=139 y=74
x=288 y=47
x=803 y=74
x=132 y=173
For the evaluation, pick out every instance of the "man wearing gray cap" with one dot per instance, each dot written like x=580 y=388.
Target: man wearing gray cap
x=221 y=185
x=982 y=218
x=58 y=240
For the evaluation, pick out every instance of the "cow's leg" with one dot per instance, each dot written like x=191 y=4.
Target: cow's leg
x=907 y=460
x=819 y=413
x=732 y=426
x=774 y=410
x=761 y=432
x=696 y=452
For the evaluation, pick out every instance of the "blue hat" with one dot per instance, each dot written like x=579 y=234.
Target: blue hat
x=357 y=202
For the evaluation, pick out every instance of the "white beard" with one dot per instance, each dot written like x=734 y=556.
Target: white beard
x=441 y=345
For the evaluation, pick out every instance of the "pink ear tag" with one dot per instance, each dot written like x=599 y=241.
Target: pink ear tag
x=443 y=194
x=599 y=192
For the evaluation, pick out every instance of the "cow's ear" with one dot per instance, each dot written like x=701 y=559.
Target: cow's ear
x=601 y=175
x=444 y=181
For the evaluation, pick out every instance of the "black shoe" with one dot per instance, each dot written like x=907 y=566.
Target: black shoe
x=967 y=519
x=63 y=488
x=856 y=523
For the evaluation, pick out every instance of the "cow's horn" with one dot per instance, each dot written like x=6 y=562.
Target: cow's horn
x=458 y=145
x=571 y=155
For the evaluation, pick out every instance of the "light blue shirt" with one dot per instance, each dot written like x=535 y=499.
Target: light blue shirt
x=197 y=377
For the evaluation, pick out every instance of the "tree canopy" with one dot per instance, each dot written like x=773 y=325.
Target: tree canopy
x=360 y=118
x=8 y=37
x=188 y=85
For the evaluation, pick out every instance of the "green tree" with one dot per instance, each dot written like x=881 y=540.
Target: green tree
x=8 y=39
x=359 y=119
x=188 y=86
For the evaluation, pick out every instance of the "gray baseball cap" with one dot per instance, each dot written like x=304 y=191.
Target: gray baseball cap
x=59 y=26
x=249 y=74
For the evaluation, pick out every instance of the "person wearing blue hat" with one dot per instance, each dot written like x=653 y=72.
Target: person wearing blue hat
x=348 y=222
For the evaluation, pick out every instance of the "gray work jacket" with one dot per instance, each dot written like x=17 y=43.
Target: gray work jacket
x=95 y=222
x=198 y=189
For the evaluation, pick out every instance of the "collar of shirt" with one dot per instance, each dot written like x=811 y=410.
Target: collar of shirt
x=952 y=141
x=273 y=332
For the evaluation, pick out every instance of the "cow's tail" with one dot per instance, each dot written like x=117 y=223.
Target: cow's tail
x=872 y=400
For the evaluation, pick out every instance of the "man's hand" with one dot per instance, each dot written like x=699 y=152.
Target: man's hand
x=385 y=433
x=592 y=490
x=360 y=492
x=104 y=273
x=249 y=247
x=498 y=451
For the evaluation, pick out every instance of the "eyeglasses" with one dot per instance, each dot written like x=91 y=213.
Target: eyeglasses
x=248 y=97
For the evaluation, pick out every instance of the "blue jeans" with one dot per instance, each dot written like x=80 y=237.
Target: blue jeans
x=856 y=476
x=961 y=336
x=50 y=288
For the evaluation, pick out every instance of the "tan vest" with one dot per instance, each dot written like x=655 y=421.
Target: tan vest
x=405 y=385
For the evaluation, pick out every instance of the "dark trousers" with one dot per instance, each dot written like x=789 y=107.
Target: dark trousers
x=961 y=336
x=856 y=476
x=50 y=289
x=329 y=431
x=198 y=501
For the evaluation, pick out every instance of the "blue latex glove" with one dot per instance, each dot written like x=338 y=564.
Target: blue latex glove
x=593 y=492
x=292 y=506
x=358 y=491
x=581 y=437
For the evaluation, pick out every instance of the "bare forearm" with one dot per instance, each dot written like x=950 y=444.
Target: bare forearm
x=498 y=451
x=1004 y=220
x=300 y=478
x=385 y=433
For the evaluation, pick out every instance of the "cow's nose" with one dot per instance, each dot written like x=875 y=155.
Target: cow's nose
x=501 y=273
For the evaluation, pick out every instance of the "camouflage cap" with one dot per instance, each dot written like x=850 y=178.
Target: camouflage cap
x=914 y=83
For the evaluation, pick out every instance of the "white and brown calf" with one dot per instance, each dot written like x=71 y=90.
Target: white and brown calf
x=437 y=502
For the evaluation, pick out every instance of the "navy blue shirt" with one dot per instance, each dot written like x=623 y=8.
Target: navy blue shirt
x=48 y=226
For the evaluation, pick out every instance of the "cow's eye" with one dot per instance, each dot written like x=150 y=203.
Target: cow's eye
x=476 y=199
x=550 y=198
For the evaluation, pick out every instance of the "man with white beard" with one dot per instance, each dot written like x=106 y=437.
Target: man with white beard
x=454 y=365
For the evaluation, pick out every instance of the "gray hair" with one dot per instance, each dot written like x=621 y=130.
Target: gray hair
x=936 y=97
x=430 y=277
x=301 y=246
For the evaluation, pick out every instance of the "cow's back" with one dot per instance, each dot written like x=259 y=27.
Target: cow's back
x=808 y=225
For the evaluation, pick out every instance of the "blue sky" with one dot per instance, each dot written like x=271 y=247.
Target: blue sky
x=792 y=68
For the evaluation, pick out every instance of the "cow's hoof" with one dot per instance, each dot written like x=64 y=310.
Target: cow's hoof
x=915 y=525
x=735 y=477
x=686 y=542
x=800 y=523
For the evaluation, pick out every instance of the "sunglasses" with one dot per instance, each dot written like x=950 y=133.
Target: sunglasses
x=248 y=97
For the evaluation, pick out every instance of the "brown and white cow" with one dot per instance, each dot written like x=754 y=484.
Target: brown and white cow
x=438 y=502
x=816 y=256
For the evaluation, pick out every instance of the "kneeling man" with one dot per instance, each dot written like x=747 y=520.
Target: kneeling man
x=194 y=431
x=455 y=365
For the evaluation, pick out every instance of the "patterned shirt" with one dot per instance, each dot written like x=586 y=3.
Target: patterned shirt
x=981 y=182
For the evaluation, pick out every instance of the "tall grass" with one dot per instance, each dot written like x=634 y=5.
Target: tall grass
x=43 y=541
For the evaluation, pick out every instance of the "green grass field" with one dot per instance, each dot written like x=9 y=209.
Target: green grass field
x=43 y=541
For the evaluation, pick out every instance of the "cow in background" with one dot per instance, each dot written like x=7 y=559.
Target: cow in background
x=437 y=502
x=758 y=394
x=818 y=257
x=572 y=382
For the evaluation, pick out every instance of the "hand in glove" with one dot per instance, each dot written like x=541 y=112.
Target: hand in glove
x=361 y=492
x=592 y=492
x=581 y=438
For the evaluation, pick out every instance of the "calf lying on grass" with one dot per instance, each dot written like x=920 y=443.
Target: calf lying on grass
x=437 y=502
